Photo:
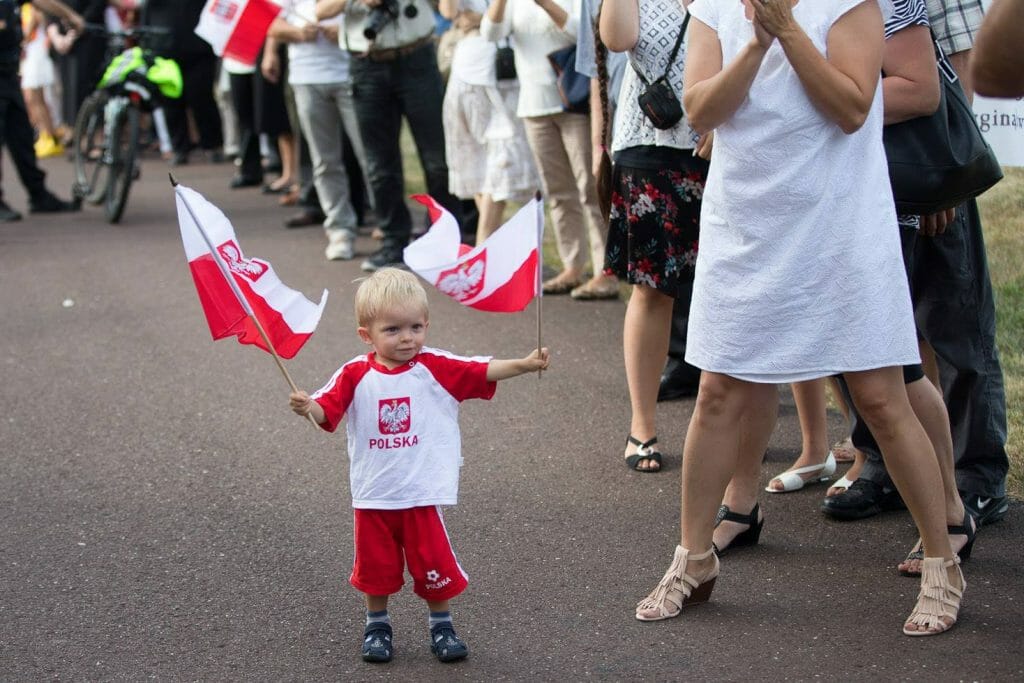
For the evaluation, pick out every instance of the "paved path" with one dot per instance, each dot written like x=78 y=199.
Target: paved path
x=164 y=515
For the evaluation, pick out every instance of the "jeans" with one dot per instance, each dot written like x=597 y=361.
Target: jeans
x=955 y=313
x=409 y=86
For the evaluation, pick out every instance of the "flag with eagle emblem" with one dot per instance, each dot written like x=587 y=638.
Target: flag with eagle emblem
x=499 y=275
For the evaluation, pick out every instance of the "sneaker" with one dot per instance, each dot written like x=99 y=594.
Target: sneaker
x=445 y=645
x=7 y=214
x=985 y=510
x=377 y=642
x=49 y=203
x=339 y=246
x=383 y=258
x=861 y=500
x=47 y=147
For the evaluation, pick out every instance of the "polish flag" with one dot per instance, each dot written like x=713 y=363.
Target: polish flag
x=237 y=28
x=499 y=275
x=233 y=288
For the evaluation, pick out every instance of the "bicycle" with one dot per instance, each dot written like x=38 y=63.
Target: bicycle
x=106 y=135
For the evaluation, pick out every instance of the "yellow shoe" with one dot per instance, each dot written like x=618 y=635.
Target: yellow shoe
x=46 y=146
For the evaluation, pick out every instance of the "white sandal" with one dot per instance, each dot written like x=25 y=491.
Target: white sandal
x=677 y=589
x=792 y=480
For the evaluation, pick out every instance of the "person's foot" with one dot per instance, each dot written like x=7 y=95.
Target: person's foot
x=863 y=499
x=214 y=156
x=563 y=283
x=377 y=645
x=278 y=186
x=47 y=146
x=984 y=509
x=340 y=246
x=804 y=471
x=179 y=159
x=305 y=218
x=49 y=203
x=7 y=214
x=734 y=530
x=961 y=540
x=644 y=454
x=678 y=380
x=382 y=258
x=596 y=289
x=240 y=181
x=445 y=644
x=844 y=450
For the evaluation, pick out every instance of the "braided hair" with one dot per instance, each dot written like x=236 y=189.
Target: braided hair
x=604 y=173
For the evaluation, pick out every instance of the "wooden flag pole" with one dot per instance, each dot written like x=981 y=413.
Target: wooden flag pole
x=224 y=271
x=540 y=271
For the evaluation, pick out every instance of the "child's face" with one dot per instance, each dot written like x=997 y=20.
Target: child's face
x=396 y=335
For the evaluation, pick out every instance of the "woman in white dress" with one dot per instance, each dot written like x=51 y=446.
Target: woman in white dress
x=489 y=160
x=798 y=188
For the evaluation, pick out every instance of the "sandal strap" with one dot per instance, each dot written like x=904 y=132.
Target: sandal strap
x=642 y=446
x=938 y=598
x=727 y=515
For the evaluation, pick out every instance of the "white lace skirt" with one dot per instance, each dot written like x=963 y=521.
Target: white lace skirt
x=485 y=142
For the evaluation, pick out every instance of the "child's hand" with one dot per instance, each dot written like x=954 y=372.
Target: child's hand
x=301 y=403
x=538 y=359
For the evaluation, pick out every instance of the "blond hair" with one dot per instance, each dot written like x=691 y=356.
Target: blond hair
x=386 y=289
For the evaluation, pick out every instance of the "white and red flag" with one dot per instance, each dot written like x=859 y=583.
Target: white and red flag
x=233 y=289
x=237 y=28
x=499 y=275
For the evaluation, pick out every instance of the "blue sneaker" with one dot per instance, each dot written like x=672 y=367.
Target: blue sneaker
x=377 y=642
x=445 y=645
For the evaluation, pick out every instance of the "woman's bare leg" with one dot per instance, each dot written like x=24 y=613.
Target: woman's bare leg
x=645 y=333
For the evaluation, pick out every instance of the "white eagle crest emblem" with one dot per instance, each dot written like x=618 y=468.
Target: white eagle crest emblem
x=252 y=269
x=394 y=415
x=464 y=281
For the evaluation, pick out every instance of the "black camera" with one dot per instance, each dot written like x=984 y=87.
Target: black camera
x=382 y=14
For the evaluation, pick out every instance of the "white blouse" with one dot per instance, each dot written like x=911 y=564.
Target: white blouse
x=533 y=37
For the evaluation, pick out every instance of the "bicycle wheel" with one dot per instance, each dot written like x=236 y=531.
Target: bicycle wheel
x=91 y=169
x=124 y=145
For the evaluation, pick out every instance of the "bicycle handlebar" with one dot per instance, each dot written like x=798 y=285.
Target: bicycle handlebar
x=133 y=32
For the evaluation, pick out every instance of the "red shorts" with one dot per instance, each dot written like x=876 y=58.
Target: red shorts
x=382 y=537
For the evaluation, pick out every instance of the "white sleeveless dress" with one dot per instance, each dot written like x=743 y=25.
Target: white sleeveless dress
x=799 y=273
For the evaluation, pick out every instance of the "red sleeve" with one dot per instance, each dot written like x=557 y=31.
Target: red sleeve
x=462 y=377
x=336 y=396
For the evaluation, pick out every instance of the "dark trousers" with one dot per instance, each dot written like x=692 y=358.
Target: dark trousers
x=197 y=71
x=17 y=134
x=687 y=374
x=955 y=313
x=409 y=86
x=250 y=164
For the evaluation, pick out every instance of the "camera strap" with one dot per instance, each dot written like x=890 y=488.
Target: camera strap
x=671 y=58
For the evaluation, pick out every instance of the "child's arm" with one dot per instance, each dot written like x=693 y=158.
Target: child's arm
x=504 y=369
x=302 y=404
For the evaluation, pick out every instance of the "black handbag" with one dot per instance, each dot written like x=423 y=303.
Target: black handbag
x=573 y=87
x=504 y=63
x=658 y=100
x=939 y=161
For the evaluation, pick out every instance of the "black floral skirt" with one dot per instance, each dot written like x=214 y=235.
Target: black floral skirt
x=655 y=222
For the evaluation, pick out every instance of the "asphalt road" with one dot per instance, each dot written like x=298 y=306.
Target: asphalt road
x=164 y=515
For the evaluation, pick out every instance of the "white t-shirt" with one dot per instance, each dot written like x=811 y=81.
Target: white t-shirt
x=404 y=445
x=473 y=61
x=319 y=62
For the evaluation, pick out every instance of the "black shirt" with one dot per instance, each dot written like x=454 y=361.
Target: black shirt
x=10 y=33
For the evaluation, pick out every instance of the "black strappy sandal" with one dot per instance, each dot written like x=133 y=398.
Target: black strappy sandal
x=968 y=528
x=749 y=536
x=644 y=452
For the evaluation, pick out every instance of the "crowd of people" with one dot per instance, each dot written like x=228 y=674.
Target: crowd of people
x=727 y=207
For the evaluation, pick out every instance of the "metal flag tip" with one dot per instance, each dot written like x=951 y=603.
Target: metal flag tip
x=174 y=181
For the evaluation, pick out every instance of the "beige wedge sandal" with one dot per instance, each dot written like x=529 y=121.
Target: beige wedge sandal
x=677 y=589
x=938 y=602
